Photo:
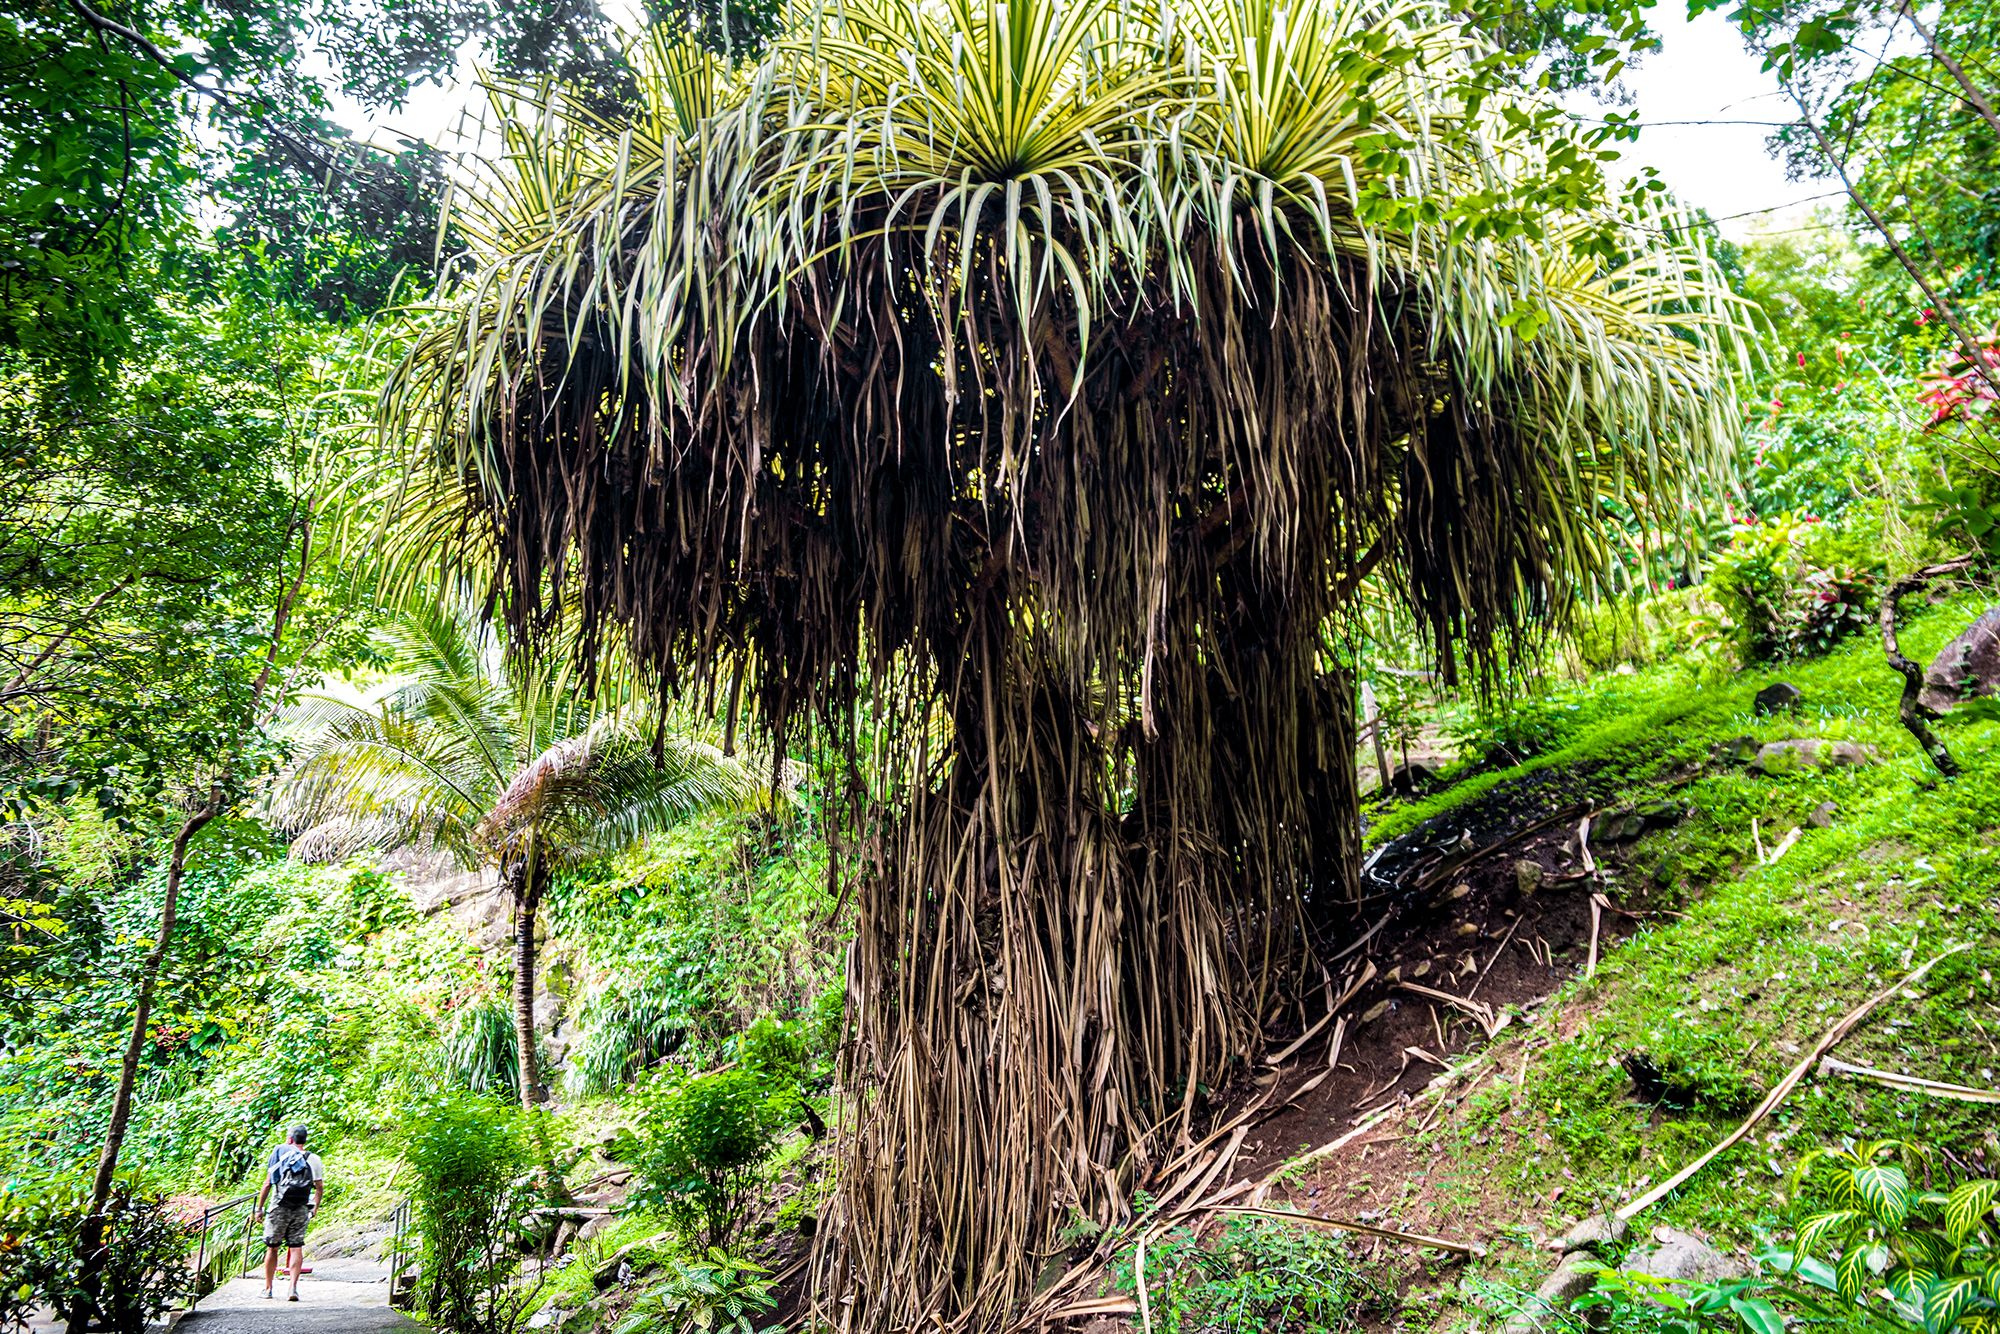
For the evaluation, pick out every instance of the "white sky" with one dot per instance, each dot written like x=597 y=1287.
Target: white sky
x=1701 y=74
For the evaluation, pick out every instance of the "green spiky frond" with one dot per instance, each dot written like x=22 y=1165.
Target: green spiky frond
x=1037 y=381
x=477 y=754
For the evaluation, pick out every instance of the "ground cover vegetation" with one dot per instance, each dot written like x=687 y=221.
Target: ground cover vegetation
x=766 y=693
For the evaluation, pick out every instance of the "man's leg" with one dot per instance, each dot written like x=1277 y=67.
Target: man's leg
x=270 y=1265
x=295 y=1257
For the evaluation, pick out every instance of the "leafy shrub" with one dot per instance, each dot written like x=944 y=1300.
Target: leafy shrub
x=1780 y=602
x=717 y=1293
x=703 y=1149
x=1934 y=1254
x=1259 y=1275
x=467 y=1155
x=144 y=1269
x=1633 y=1303
x=1511 y=732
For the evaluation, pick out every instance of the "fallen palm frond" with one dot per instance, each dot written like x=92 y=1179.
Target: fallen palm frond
x=1016 y=396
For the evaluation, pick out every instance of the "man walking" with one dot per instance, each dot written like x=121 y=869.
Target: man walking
x=296 y=1178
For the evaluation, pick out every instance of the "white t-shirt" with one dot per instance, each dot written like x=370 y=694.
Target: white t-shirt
x=312 y=1161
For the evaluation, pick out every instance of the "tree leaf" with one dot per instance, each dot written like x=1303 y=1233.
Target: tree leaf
x=1758 y=1315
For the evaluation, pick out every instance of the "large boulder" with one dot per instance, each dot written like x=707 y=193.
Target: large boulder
x=1966 y=668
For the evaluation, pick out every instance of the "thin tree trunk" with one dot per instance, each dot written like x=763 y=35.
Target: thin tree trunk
x=1916 y=718
x=526 y=885
x=1946 y=311
x=92 y=1241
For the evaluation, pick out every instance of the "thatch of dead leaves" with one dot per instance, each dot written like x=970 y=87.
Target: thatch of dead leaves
x=1015 y=394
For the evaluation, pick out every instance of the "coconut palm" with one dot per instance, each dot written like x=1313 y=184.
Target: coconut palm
x=500 y=762
x=1020 y=393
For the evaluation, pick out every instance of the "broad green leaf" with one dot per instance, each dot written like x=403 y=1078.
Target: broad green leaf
x=1758 y=1316
x=1818 y=1230
x=1851 y=1273
x=1885 y=1190
x=1947 y=1300
x=1965 y=1209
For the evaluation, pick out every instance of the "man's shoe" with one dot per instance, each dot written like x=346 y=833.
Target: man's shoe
x=294 y=1297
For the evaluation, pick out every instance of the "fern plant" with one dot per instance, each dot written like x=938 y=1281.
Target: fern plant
x=1929 y=1255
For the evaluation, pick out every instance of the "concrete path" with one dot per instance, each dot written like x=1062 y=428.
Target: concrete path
x=351 y=1296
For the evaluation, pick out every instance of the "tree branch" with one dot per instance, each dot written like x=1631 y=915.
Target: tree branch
x=1972 y=92
x=1944 y=308
x=297 y=146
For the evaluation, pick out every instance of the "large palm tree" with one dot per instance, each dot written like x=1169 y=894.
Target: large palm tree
x=1018 y=393
x=501 y=762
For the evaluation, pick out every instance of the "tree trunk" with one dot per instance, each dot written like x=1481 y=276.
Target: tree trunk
x=1916 y=718
x=524 y=882
x=128 y=1072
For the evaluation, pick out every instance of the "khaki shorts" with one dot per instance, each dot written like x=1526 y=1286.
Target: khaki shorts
x=285 y=1225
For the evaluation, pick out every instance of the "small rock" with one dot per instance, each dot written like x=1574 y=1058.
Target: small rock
x=1822 y=815
x=1776 y=698
x=1966 y=668
x=1527 y=876
x=1413 y=778
x=1776 y=758
x=1684 y=1256
x=1736 y=750
x=1662 y=814
x=1593 y=1233
x=1466 y=929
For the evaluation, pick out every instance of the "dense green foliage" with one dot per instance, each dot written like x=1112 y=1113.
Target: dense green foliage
x=146 y=1269
x=467 y=1157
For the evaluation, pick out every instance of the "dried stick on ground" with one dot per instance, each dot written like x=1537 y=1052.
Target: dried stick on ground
x=1908 y=1083
x=1783 y=1087
x=1916 y=717
x=1365 y=1229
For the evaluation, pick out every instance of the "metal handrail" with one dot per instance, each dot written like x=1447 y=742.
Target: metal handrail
x=208 y=1221
x=397 y=1249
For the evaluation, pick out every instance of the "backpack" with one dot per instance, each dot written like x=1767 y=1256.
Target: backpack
x=292 y=1176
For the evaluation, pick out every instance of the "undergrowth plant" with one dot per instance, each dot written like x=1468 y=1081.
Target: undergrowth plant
x=1784 y=595
x=468 y=1157
x=716 y=1293
x=144 y=1271
x=480 y=1049
x=702 y=1147
x=1259 y=1275
x=1928 y=1257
